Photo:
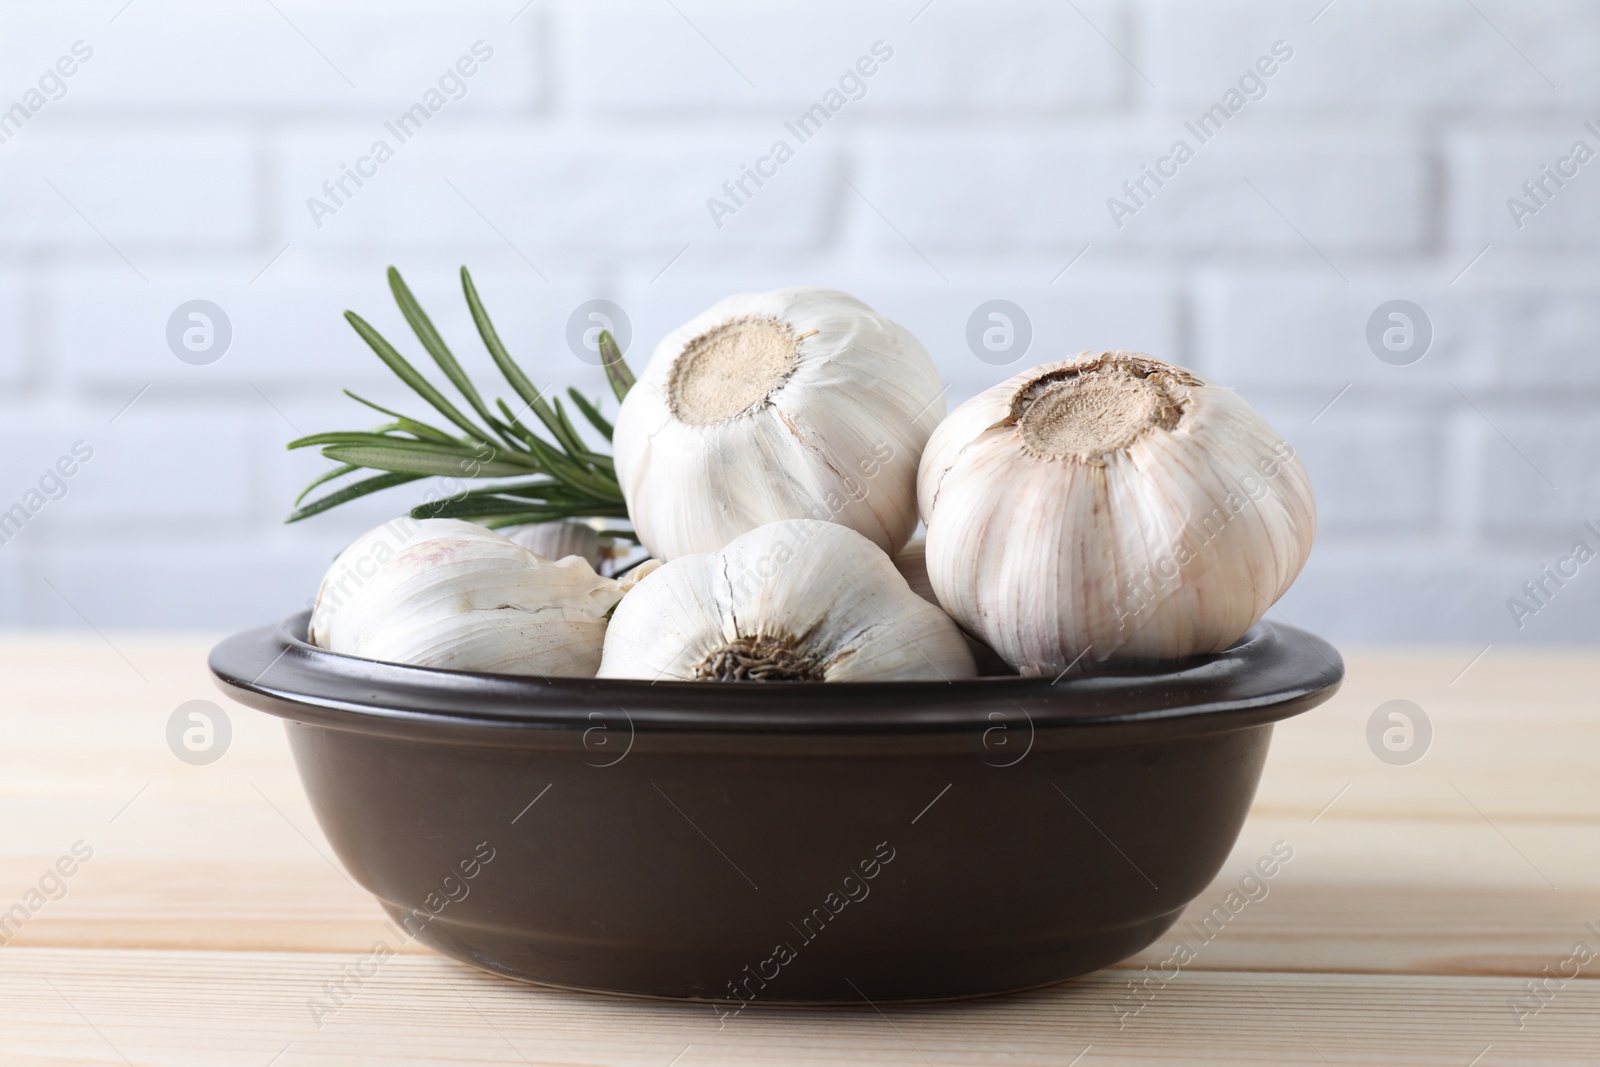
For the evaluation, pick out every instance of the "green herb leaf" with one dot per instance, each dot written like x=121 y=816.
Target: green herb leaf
x=591 y=413
x=422 y=326
x=497 y=351
x=336 y=472
x=617 y=371
x=408 y=374
x=572 y=480
x=423 y=458
x=349 y=493
x=543 y=489
x=410 y=425
x=523 y=518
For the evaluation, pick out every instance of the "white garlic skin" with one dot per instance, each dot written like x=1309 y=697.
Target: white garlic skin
x=912 y=563
x=558 y=540
x=828 y=425
x=830 y=599
x=451 y=594
x=1172 y=544
x=636 y=574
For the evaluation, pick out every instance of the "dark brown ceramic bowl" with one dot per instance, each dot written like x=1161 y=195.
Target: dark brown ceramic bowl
x=781 y=841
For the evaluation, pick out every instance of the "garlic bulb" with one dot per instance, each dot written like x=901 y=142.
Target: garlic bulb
x=1113 y=507
x=451 y=594
x=558 y=540
x=798 y=600
x=798 y=403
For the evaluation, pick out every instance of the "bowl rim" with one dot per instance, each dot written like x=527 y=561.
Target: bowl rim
x=1274 y=671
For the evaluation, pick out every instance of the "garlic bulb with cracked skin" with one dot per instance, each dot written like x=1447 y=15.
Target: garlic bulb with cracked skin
x=798 y=600
x=1113 y=508
x=451 y=594
x=796 y=403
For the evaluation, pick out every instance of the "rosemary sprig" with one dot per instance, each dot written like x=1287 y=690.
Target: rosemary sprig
x=561 y=476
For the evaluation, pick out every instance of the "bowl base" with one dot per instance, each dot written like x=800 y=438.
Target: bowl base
x=811 y=978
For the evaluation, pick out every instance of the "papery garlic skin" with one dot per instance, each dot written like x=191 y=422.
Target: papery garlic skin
x=450 y=594
x=796 y=403
x=636 y=574
x=1111 y=508
x=912 y=563
x=363 y=560
x=798 y=600
x=558 y=540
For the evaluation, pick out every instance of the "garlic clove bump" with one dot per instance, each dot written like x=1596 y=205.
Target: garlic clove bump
x=912 y=563
x=558 y=540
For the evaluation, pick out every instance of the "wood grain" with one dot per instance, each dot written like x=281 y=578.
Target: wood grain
x=212 y=1008
x=1420 y=900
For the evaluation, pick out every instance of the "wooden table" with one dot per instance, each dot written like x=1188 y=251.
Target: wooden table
x=1420 y=903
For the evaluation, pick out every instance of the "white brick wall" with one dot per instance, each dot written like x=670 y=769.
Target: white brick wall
x=1375 y=164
